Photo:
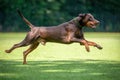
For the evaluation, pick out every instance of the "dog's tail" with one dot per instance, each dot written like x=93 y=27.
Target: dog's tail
x=24 y=19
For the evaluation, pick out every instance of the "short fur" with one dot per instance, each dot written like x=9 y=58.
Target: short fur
x=65 y=33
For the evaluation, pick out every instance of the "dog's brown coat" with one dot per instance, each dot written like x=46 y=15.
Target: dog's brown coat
x=66 y=33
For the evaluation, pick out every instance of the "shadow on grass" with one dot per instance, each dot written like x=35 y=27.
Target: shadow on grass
x=60 y=70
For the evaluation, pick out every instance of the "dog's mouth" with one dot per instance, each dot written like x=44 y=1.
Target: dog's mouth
x=92 y=24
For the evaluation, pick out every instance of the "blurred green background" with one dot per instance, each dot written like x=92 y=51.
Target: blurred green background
x=54 y=12
x=57 y=61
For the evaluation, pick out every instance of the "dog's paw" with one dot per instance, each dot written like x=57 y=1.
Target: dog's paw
x=24 y=63
x=99 y=47
x=87 y=48
x=7 y=51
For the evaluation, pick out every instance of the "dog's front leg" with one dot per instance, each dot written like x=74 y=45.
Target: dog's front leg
x=83 y=42
x=90 y=43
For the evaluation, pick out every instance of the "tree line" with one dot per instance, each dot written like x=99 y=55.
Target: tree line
x=54 y=12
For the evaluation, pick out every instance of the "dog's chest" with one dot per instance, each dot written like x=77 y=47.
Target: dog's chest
x=78 y=33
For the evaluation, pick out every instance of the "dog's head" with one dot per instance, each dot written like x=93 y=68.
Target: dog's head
x=88 y=20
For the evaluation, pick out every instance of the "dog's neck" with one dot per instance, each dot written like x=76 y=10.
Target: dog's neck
x=76 y=21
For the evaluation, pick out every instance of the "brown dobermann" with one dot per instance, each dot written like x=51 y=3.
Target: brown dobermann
x=65 y=33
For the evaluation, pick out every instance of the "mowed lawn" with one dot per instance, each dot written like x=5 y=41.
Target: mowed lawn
x=60 y=61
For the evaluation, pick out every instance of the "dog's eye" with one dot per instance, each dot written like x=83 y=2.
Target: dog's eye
x=90 y=19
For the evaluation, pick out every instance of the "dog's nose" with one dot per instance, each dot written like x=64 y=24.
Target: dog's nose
x=98 y=22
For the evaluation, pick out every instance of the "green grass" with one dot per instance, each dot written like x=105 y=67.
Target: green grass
x=62 y=62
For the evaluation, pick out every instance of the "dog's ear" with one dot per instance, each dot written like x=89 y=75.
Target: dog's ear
x=82 y=15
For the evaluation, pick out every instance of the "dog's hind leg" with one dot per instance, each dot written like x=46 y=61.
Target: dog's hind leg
x=30 y=49
x=21 y=44
x=25 y=42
